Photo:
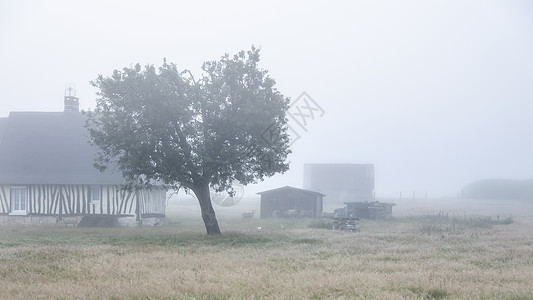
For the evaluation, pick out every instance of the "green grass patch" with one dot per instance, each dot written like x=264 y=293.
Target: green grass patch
x=443 y=223
x=431 y=293
x=308 y=241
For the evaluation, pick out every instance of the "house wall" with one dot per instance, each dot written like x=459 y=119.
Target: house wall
x=73 y=200
x=152 y=202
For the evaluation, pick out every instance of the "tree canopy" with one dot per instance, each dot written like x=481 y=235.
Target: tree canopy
x=163 y=125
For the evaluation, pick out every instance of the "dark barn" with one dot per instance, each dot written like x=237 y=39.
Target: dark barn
x=341 y=182
x=291 y=202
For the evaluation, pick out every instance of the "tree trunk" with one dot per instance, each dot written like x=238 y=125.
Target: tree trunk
x=208 y=213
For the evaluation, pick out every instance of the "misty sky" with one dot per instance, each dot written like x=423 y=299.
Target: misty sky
x=436 y=94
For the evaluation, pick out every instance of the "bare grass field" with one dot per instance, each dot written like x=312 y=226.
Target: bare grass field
x=426 y=255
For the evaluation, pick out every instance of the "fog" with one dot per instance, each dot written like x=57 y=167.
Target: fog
x=435 y=94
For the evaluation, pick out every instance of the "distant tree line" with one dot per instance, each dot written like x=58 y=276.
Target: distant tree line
x=499 y=189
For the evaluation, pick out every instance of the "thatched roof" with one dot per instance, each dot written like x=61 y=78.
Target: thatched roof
x=49 y=148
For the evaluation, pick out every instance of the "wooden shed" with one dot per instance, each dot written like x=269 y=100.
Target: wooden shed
x=291 y=202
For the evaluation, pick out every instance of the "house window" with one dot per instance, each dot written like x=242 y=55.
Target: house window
x=19 y=198
x=95 y=194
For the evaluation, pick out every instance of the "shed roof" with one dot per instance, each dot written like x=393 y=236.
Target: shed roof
x=290 y=188
x=49 y=148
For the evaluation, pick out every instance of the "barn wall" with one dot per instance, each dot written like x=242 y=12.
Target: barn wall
x=341 y=182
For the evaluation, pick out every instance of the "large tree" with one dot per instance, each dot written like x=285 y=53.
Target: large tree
x=162 y=125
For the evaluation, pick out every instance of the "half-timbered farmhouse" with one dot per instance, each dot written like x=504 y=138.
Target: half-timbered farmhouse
x=47 y=174
x=291 y=202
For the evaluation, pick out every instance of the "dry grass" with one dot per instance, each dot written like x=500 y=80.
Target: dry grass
x=397 y=259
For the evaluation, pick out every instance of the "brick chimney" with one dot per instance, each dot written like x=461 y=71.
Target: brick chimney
x=71 y=102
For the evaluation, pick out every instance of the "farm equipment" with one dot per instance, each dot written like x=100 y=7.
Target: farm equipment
x=346 y=224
